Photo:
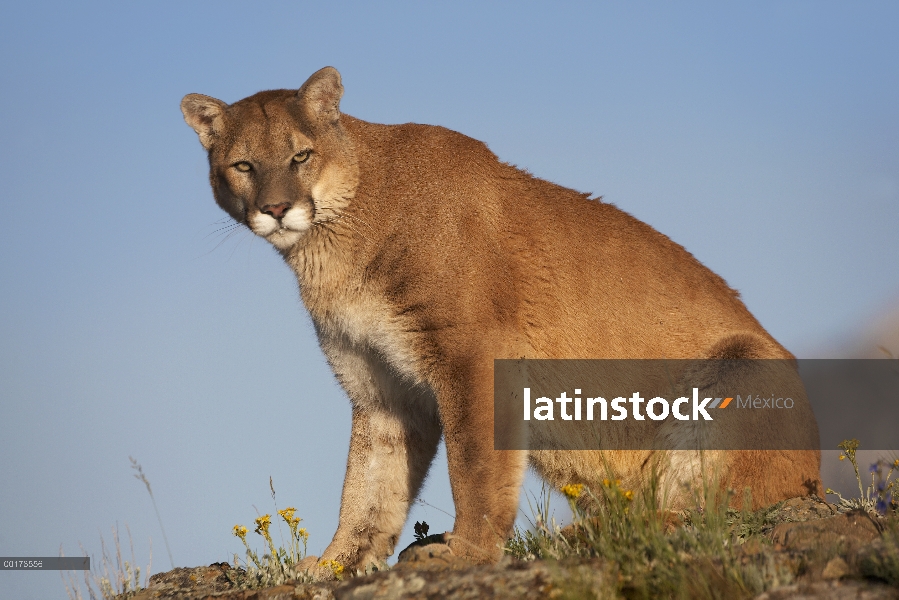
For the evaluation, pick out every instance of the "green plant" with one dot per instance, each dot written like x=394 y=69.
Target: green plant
x=535 y=542
x=421 y=531
x=651 y=551
x=882 y=560
x=279 y=564
x=876 y=497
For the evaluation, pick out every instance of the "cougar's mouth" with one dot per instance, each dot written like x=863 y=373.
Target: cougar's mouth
x=284 y=232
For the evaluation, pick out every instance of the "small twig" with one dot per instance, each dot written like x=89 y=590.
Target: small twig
x=420 y=501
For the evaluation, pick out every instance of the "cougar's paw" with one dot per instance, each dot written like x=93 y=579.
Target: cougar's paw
x=484 y=553
x=317 y=569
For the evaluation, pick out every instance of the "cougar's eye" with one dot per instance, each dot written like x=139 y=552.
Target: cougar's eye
x=243 y=166
x=301 y=157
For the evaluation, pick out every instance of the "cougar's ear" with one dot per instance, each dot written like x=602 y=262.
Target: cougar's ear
x=320 y=96
x=204 y=114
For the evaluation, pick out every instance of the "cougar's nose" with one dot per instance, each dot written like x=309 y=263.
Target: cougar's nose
x=276 y=210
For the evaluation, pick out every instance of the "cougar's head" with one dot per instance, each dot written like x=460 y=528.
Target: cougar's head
x=279 y=161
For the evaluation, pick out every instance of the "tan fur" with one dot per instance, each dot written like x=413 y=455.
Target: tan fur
x=421 y=258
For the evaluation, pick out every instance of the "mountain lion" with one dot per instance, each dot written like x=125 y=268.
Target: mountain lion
x=422 y=258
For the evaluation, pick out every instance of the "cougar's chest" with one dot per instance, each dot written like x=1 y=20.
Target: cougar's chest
x=369 y=324
x=352 y=314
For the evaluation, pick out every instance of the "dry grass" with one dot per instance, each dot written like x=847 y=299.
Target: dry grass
x=113 y=578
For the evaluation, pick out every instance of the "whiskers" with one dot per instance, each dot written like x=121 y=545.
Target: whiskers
x=228 y=226
x=225 y=229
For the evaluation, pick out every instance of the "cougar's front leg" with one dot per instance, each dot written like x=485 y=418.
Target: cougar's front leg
x=394 y=438
x=486 y=483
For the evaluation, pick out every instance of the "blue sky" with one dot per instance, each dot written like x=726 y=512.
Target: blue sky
x=764 y=137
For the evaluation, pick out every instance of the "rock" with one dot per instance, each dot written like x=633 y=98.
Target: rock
x=880 y=559
x=803 y=509
x=845 y=532
x=802 y=548
x=510 y=580
x=432 y=557
x=836 y=568
x=184 y=582
x=216 y=581
x=824 y=590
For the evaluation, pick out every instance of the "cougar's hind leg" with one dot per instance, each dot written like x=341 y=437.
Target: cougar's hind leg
x=772 y=451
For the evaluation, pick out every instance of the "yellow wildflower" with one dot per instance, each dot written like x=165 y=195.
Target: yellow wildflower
x=629 y=495
x=287 y=514
x=617 y=483
x=335 y=567
x=607 y=482
x=301 y=532
x=240 y=531
x=896 y=463
x=848 y=447
x=262 y=525
x=842 y=457
x=573 y=490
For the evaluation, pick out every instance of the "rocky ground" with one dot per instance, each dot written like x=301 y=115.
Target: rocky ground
x=809 y=550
